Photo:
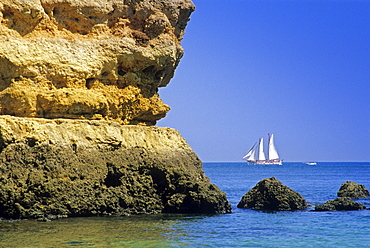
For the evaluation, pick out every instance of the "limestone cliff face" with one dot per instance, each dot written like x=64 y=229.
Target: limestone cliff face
x=71 y=73
x=67 y=167
x=91 y=59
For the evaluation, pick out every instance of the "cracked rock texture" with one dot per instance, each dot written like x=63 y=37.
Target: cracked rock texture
x=90 y=59
x=63 y=167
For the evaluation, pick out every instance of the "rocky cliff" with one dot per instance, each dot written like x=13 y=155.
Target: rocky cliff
x=73 y=74
x=92 y=59
x=85 y=167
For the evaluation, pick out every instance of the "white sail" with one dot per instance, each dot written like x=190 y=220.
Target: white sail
x=272 y=152
x=252 y=156
x=261 y=154
x=251 y=153
x=256 y=155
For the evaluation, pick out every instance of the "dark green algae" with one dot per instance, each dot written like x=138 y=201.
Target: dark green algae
x=45 y=181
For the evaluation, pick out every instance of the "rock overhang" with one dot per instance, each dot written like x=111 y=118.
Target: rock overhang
x=89 y=59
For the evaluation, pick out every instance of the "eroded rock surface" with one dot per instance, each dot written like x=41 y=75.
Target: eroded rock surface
x=85 y=167
x=92 y=59
x=271 y=194
x=353 y=190
x=340 y=204
x=71 y=73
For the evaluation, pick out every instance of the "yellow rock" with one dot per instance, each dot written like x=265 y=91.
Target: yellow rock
x=91 y=134
x=89 y=59
x=73 y=71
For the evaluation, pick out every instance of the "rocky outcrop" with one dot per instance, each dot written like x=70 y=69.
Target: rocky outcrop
x=271 y=194
x=71 y=73
x=340 y=204
x=92 y=59
x=84 y=168
x=347 y=192
x=353 y=190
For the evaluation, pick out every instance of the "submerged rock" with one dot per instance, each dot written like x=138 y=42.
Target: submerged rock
x=353 y=190
x=67 y=167
x=340 y=204
x=271 y=194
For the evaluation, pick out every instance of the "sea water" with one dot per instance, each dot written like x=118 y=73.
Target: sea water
x=242 y=228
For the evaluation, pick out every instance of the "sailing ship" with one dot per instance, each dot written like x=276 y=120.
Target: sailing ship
x=256 y=155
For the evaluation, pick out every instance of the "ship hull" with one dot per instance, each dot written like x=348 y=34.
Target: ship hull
x=268 y=162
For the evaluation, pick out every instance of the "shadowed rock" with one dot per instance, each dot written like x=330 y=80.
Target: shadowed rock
x=87 y=168
x=353 y=190
x=340 y=204
x=271 y=194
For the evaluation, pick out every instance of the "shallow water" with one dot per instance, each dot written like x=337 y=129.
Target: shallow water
x=242 y=228
x=138 y=231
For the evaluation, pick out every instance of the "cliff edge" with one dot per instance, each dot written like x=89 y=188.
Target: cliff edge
x=78 y=105
x=92 y=59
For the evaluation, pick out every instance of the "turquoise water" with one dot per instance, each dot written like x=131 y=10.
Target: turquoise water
x=242 y=228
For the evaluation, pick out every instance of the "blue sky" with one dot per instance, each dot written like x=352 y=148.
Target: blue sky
x=298 y=69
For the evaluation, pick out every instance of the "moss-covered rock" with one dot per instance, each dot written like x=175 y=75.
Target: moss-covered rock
x=271 y=194
x=51 y=168
x=340 y=204
x=353 y=190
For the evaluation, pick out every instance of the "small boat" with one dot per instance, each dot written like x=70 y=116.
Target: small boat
x=310 y=163
x=256 y=155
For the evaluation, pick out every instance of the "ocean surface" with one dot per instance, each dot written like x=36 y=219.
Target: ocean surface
x=242 y=228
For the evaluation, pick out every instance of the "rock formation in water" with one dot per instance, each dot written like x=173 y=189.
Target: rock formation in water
x=86 y=167
x=72 y=73
x=340 y=204
x=347 y=192
x=93 y=59
x=270 y=194
x=353 y=190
